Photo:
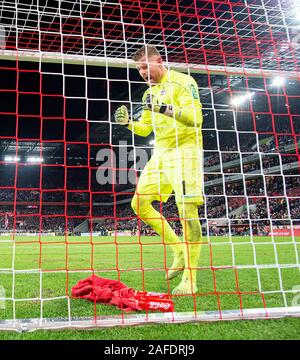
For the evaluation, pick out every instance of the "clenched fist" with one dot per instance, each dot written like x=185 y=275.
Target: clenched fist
x=121 y=115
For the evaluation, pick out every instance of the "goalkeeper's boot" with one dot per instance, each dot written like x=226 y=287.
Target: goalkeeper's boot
x=176 y=268
x=185 y=287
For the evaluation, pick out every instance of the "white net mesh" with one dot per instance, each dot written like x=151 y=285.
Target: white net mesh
x=60 y=223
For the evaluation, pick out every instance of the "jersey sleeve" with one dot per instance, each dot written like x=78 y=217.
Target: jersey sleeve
x=143 y=127
x=189 y=111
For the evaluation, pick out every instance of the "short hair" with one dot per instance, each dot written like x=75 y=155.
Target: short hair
x=147 y=50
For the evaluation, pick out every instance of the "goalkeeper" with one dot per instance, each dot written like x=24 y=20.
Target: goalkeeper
x=172 y=110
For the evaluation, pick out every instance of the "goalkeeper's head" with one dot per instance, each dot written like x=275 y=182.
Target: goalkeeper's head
x=149 y=64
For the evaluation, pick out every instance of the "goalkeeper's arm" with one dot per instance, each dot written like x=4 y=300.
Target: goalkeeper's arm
x=141 y=128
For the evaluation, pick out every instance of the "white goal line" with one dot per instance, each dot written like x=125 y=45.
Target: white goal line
x=144 y=319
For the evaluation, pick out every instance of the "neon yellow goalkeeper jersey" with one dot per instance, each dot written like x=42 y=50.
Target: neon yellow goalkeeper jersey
x=181 y=91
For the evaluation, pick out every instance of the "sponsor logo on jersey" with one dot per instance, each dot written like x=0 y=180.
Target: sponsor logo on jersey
x=194 y=91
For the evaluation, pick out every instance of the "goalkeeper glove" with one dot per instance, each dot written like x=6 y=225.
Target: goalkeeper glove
x=153 y=104
x=121 y=115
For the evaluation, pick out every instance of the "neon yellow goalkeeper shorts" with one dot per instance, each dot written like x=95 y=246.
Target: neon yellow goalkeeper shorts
x=174 y=170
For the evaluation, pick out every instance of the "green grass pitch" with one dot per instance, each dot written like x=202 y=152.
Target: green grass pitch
x=140 y=263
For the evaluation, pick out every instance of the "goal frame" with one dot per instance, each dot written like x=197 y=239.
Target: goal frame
x=151 y=318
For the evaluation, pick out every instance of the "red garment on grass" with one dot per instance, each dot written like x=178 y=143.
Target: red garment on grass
x=114 y=292
x=97 y=289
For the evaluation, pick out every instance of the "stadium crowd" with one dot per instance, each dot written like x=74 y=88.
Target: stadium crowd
x=235 y=201
x=216 y=208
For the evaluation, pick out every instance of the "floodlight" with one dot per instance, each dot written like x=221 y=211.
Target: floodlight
x=278 y=81
x=34 y=159
x=11 y=158
x=238 y=100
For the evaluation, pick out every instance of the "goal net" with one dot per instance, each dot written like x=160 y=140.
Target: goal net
x=68 y=172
